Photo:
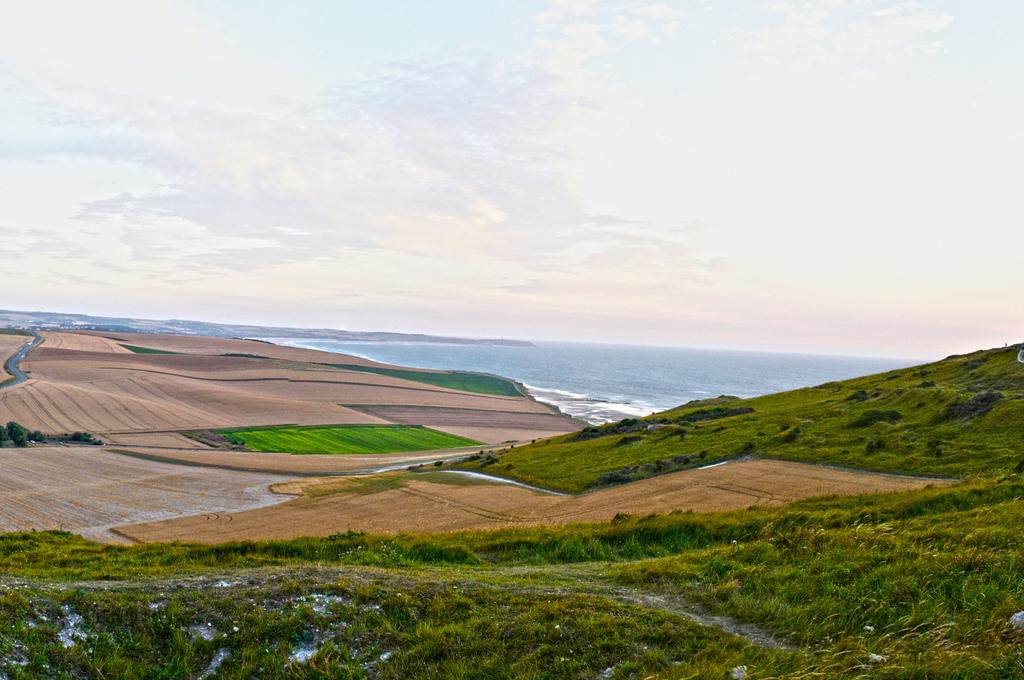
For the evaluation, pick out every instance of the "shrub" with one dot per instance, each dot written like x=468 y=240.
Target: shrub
x=714 y=414
x=872 y=416
x=622 y=427
x=874 y=446
x=17 y=434
x=973 y=407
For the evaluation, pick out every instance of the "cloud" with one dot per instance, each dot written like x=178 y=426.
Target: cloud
x=459 y=154
x=411 y=181
x=560 y=10
x=838 y=30
x=18 y=243
x=573 y=33
x=891 y=28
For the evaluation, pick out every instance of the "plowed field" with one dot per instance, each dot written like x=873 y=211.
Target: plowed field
x=88 y=490
x=92 y=383
x=434 y=502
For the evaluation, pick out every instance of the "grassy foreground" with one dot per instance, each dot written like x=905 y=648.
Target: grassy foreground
x=478 y=383
x=346 y=439
x=963 y=415
x=911 y=585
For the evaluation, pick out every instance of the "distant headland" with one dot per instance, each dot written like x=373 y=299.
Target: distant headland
x=64 y=321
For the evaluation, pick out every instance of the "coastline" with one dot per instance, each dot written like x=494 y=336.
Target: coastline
x=596 y=384
x=524 y=389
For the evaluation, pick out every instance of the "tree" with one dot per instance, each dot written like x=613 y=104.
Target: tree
x=17 y=434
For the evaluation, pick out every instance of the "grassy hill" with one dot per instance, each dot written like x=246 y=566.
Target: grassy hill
x=959 y=416
x=916 y=585
x=478 y=383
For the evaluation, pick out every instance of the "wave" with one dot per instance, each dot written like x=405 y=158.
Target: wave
x=318 y=345
x=553 y=391
x=591 y=409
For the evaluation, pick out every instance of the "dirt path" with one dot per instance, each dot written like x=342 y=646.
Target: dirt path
x=312 y=465
x=591 y=580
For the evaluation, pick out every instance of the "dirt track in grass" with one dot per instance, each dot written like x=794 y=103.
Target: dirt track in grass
x=404 y=502
x=307 y=465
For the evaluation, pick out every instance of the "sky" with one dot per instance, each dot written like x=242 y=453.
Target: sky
x=840 y=176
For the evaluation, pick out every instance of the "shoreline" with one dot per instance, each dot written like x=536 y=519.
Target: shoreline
x=588 y=405
x=522 y=387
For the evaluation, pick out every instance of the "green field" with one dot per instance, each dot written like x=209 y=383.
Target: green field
x=146 y=350
x=346 y=439
x=478 y=383
x=958 y=416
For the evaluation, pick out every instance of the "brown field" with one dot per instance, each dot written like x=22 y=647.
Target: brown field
x=174 y=441
x=203 y=345
x=281 y=463
x=87 y=382
x=405 y=502
x=38 y=491
x=483 y=425
x=83 y=342
x=9 y=344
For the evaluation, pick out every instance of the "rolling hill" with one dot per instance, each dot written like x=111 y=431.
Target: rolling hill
x=960 y=416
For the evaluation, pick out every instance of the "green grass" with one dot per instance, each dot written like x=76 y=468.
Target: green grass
x=146 y=350
x=346 y=439
x=927 y=579
x=899 y=421
x=357 y=627
x=478 y=383
x=14 y=331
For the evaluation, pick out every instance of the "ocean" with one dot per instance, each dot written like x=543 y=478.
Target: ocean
x=603 y=383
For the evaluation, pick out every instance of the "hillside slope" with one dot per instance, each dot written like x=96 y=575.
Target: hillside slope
x=959 y=416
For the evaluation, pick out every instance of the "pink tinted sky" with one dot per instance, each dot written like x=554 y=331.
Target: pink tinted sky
x=828 y=177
